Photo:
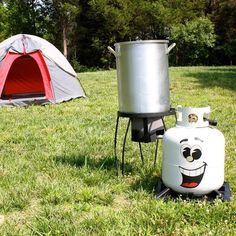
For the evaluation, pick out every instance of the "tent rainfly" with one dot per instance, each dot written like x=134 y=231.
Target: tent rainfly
x=33 y=71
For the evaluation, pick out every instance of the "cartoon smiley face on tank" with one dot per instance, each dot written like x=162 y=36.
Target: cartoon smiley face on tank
x=194 y=169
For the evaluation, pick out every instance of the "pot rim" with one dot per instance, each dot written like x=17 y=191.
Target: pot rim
x=142 y=42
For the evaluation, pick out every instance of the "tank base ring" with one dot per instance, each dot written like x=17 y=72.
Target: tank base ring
x=223 y=193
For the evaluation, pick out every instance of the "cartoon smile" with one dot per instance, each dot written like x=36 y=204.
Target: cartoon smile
x=192 y=177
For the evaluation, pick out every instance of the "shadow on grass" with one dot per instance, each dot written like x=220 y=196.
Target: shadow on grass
x=147 y=182
x=106 y=163
x=219 y=77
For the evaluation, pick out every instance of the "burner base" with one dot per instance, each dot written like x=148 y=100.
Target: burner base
x=223 y=193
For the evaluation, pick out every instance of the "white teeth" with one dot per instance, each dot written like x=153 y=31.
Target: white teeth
x=194 y=172
x=191 y=173
x=198 y=172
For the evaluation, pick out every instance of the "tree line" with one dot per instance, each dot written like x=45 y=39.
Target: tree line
x=204 y=30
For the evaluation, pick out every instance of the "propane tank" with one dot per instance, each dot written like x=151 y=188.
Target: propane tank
x=193 y=153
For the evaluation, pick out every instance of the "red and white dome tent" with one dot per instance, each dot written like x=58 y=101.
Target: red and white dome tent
x=32 y=70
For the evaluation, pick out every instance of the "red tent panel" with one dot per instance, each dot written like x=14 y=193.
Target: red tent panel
x=25 y=74
x=38 y=57
x=24 y=77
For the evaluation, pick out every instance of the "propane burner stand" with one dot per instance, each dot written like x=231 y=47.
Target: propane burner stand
x=145 y=128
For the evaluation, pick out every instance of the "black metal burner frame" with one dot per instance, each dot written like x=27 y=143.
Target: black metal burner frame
x=130 y=116
x=223 y=193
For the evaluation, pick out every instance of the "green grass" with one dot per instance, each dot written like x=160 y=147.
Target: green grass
x=57 y=173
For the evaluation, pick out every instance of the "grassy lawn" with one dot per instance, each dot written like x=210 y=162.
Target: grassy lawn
x=57 y=173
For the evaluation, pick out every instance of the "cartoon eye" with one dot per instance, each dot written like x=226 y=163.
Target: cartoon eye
x=185 y=150
x=196 y=152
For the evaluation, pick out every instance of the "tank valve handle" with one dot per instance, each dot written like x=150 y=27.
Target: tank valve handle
x=211 y=122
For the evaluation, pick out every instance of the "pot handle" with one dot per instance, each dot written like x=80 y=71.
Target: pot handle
x=112 y=51
x=170 y=48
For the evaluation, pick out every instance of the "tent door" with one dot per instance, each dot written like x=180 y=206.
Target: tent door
x=24 y=79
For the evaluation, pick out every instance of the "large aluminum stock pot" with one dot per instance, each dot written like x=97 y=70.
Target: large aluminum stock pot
x=142 y=73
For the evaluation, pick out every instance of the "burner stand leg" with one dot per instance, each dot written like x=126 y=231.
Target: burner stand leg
x=156 y=151
x=141 y=153
x=164 y=125
x=123 y=149
x=115 y=145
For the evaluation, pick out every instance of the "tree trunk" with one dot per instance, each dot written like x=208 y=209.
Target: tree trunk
x=64 y=36
x=33 y=13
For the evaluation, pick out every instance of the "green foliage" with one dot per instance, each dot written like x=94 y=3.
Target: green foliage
x=229 y=49
x=4 y=25
x=67 y=12
x=205 y=30
x=198 y=31
x=22 y=16
x=81 y=68
x=193 y=40
x=224 y=17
